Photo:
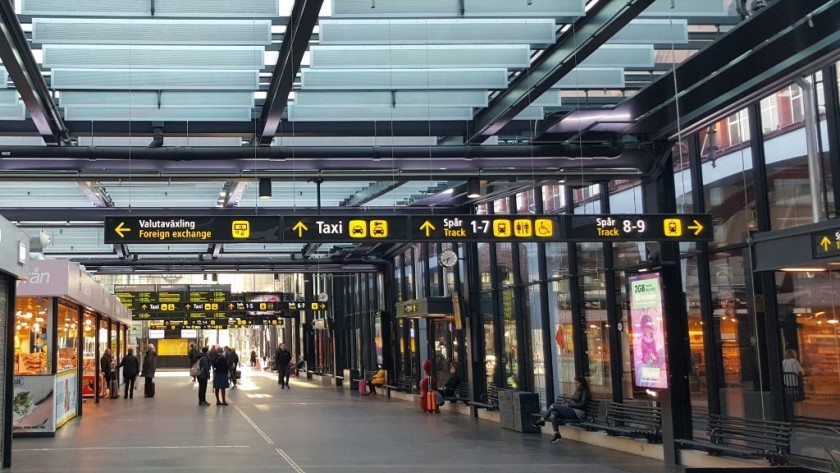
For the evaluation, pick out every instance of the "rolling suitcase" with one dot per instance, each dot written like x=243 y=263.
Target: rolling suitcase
x=115 y=389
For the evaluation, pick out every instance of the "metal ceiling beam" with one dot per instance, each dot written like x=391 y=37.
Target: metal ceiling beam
x=605 y=19
x=61 y=216
x=18 y=60
x=770 y=48
x=295 y=43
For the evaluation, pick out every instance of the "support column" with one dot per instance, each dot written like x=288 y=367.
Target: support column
x=545 y=317
x=613 y=308
x=576 y=300
x=659 y=197
x=832 y=118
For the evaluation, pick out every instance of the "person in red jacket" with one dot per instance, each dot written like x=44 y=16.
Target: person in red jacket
x=427 y=385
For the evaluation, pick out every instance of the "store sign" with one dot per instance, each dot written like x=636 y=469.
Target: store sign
x=66 y=397
x=650 y=363
x=826 y=244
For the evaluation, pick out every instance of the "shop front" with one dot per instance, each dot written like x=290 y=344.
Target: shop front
x=14 y=266
x=435 y=317
x=63 y=320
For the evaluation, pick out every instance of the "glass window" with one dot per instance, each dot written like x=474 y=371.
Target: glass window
x=769 y=114
x=490 y=365
x=728 y=192
x=590 y=261
x=554 y=198
x=532 y=303
x=528 y=263
x=697 y=374
x=68 y=337
x=741 y=392
x=563 y=348
x=408 y=272
x=484 y=266
x=738 y=126
x=32 y=340
x=809 y=312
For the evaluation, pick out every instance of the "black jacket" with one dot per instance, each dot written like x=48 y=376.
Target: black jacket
x=130 y=366
x=233 y=360
x=105 y=364
x=204 y=365
x=220 y=365
x=282 y=358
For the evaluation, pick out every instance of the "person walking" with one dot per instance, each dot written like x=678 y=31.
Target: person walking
x=148 y=372
x=253 y=358
x=131 y=368
x=282 y=358
x=105 y=362
x=233 y=363
x=203 y=376
x=220 y=377
x=193 y=354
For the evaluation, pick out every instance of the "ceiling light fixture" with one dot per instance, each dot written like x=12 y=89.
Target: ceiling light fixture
x=265 y=188
x=473 y=188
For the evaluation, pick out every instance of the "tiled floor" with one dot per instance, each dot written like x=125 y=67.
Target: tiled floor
x=309 y=428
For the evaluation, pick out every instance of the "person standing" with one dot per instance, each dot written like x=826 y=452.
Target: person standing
x=105 y=368
x=233 y=363
x=193 y=354
x=203 y=376
x=253 y=358
x=282 y=358
x=148 y=372
x=131 y=368
x=220 y=377
x=792 y=376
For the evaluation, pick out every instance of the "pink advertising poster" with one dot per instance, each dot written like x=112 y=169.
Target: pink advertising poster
x=649 y=362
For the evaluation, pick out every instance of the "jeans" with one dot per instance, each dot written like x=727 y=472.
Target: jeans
x=561 y=413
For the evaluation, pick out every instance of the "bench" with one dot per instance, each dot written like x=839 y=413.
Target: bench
x=405 y=383
x=462 y=393
x=630 y=421
x=590 y=409
x=489 y=400
x=748 y=438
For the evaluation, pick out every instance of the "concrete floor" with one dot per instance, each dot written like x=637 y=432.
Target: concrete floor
x=309 y=428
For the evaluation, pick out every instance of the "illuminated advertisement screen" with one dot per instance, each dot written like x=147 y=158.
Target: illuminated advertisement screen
x=646 y=315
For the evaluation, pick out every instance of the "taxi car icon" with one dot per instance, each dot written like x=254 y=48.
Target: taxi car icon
x=358 y=231
x=378 y=231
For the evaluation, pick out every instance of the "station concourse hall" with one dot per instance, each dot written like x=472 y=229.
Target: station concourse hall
x=451 y=235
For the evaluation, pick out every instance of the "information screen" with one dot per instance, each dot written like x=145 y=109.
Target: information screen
x=650 y=363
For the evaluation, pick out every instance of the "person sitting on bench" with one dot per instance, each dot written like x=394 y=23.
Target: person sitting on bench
x=572 y=409
x=451 y=384
x=378 y=379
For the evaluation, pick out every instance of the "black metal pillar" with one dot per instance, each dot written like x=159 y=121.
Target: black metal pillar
x=659 y=196
x=96 y=355
x=576 y=299
x=832 y=118
x=613 y=307
x=544 y=308
x=712 y=355
x=8 y=285
x=474 y=330
x=763 y=303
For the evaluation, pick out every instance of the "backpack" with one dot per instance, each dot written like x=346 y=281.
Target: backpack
x=196 y=368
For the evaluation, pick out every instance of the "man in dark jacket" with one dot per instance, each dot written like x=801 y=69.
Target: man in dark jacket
x=131 y=368
x=282 y=358
x=193 y=354
x=148 y=373
x=203 y=376
x=105 y=368
x=233 y=364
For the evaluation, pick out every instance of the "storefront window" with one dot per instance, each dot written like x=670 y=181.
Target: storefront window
x=487 y=317
x=809 y=316
x=741 y=392
x=68 y=337
x=563 y=348
x=697 y=374
x=32 y=340
x=532 y=303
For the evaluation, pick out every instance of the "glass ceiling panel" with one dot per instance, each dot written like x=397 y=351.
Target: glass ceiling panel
x=156 y=194
x=163 y=8
x=564 y=9
x=283 y=248
x=73 y=240
x=42 y=194
x=303 y=194
x=411 y=190
x=158 y=31
x=459 y=31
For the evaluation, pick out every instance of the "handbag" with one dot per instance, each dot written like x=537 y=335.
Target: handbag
x=439 y=399
x=195 y=369
x=363 y=387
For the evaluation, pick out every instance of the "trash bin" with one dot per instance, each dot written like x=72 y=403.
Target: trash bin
x=515 y=409
x=351 y=379
x=524 y=405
